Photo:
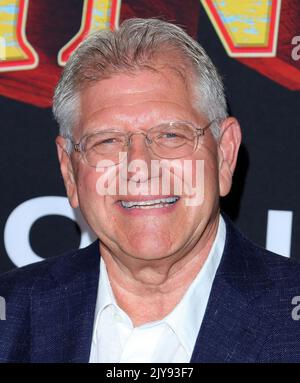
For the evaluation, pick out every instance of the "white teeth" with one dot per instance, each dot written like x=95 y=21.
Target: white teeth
x=150 y=204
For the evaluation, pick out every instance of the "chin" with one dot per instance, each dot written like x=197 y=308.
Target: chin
x=149 y=250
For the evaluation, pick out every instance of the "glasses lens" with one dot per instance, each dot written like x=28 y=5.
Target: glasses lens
x=104 y=146
x=174 y=140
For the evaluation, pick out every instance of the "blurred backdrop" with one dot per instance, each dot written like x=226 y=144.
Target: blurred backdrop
x=256 y=46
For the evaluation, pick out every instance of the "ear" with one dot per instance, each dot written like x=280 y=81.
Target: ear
x=67 y=171
x=229 y=144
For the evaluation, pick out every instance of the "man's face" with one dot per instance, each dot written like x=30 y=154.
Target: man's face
x=132 y=103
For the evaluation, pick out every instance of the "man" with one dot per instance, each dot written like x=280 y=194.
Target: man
x=142 y=117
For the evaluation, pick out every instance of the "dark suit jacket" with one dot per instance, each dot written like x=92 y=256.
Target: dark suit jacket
x=51 y=304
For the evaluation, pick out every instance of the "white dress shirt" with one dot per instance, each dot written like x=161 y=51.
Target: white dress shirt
x=171 y=339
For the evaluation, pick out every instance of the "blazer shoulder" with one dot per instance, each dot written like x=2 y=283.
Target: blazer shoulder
x=255 y=262
x=25 y=289
x=45 y=273
x=280 y=269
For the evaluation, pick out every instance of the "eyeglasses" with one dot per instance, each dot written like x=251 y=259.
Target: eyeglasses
x=171 y=140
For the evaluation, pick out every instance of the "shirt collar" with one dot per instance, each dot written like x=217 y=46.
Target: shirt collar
x=105 y=296
x=186 y=318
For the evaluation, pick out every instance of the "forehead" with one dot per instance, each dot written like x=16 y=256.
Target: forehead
x=143 y=93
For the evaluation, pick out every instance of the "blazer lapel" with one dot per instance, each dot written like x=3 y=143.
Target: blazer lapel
x=63 y=316
x=231 y=331
x=233 y=328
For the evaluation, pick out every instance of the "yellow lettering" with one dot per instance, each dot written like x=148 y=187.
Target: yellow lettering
x=96 y=15
x=15 y=51
x=247 y=28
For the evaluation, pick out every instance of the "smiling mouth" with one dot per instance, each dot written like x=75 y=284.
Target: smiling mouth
x=150 y=204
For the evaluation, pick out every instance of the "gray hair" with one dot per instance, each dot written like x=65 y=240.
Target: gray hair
x=137 y=44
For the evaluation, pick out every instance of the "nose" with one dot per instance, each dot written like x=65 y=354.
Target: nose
x=138 y=158
x=137 y=146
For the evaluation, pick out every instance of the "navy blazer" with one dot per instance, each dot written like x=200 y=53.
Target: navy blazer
x=50 y=307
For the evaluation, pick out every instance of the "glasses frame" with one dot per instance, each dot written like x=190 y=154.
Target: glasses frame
x=79 y=146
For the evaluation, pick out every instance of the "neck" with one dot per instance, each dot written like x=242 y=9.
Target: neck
x=149 y=290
